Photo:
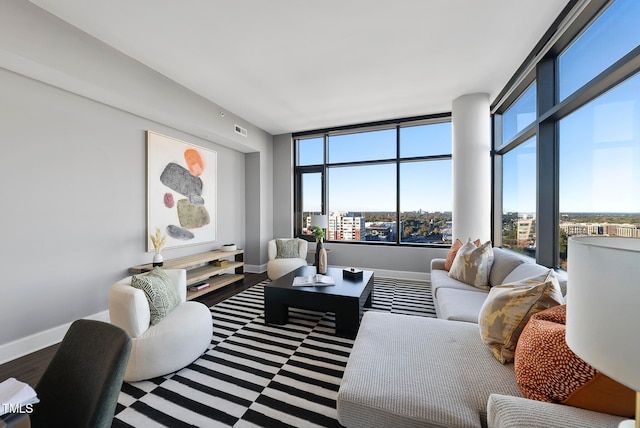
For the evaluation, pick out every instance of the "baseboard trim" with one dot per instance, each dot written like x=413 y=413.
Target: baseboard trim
x=255 y=268
x=27 y=345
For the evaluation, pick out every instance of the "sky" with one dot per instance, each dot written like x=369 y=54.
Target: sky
x=600 y=142
x=424 y=185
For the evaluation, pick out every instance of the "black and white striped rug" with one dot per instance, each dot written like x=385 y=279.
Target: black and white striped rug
x=257 y=375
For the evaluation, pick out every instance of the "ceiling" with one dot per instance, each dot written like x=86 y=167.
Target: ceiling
x=296 y=65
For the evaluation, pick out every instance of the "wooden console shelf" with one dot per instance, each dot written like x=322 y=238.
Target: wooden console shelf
x=200 y=268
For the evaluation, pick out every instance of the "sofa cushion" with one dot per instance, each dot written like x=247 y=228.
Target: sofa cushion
x=453 y=251
x=287 y=248
x=413 y=371
x=440 y=280
x=504 y=262
x=508 y=308
x=460 y=305
x=159 y=291
x=527 y=270
x=547 y=370
x=504 y=411
x=473 y=264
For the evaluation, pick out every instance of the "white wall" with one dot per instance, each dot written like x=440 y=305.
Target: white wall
x=283 y=221
x=73 y=115
x=39 y=45
x=259 y=208
x=74 y=202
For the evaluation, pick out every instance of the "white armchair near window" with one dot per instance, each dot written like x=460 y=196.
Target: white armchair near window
x=173 y=343
x=277 y=267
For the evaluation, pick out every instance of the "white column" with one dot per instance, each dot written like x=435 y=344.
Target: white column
x=471 y=151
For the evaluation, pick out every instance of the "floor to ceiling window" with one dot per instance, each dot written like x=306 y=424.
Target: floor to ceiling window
x=600 y=167
x=518 y=150
x=578 y=149
x=519 y=198
x=377 y=183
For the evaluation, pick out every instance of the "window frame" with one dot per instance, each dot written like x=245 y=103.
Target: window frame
x=397 y=124
x=542 y=66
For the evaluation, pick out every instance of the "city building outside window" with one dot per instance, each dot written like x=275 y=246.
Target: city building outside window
x=519 y=198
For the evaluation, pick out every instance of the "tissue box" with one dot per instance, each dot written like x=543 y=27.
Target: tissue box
x=352 y=273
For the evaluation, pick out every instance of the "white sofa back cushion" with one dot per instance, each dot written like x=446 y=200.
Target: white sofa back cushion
x=504 y=262
x=527 y=270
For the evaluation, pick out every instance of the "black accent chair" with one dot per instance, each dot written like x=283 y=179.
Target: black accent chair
x=81 y=384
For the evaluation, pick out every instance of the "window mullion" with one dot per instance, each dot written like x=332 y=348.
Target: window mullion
x=398 y=219
x=547 y=169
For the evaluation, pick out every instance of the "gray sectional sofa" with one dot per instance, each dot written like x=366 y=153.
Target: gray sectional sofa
x=407 y=371
x=457 y=301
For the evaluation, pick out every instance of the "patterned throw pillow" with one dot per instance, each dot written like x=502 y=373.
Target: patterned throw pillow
x=287 y=248
x=159 y=291
x=547 y=370
x=508 y=308
x=453 y=251
x=473 y=264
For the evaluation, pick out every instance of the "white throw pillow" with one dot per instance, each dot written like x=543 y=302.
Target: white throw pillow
x=472 y=264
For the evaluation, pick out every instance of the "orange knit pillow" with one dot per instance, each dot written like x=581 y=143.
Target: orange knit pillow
x=453 y=251
x=547 y=370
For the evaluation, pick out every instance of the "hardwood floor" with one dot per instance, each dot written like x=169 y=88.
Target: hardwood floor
x=30 y=368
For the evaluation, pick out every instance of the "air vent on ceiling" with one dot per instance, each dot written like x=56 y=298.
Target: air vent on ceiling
x=240 y=130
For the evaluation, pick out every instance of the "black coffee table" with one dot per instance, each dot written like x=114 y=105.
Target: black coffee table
x=346 y=298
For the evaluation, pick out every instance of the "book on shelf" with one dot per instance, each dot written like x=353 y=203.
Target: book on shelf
x=317 y=279
x=199 y=287
x=221 y=262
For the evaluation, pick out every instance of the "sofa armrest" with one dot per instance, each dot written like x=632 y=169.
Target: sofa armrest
x=437 y=264
x=505 y=411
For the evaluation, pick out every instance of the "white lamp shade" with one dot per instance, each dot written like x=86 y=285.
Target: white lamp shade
x=320 y=220
x=603 y=305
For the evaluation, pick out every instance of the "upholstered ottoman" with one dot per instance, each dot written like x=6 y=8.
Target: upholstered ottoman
x=420 y=372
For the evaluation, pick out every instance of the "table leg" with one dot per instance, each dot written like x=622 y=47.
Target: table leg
x=348 y=319
x=369 y=301
x=275 y=312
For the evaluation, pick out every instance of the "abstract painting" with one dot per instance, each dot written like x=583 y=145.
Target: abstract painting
x=181 y=191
